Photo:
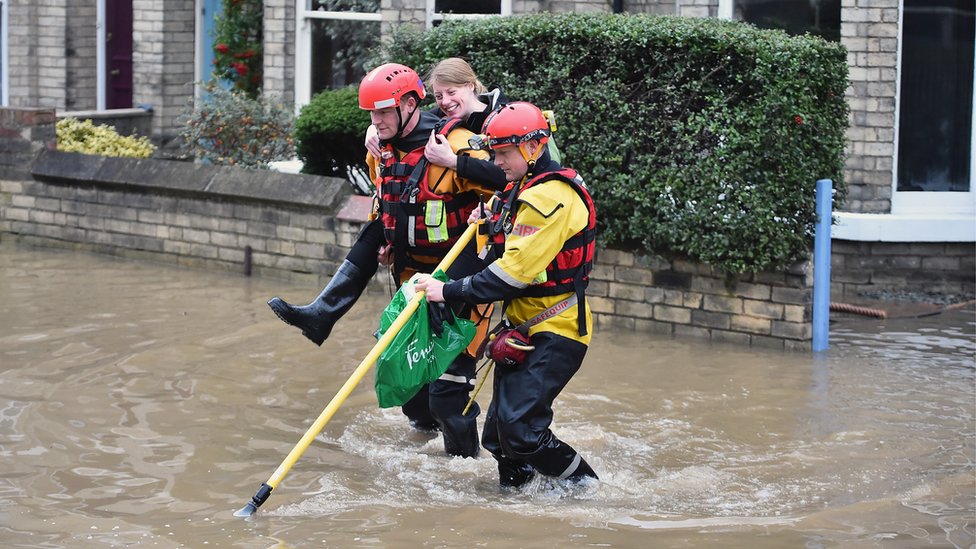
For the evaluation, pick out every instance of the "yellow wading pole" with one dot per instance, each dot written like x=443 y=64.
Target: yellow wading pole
x=477 y=390
x=262 y=495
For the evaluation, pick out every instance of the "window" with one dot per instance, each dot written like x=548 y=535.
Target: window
x=819 y=17
x=442 y=10
x=334 y=42
x=935 y=113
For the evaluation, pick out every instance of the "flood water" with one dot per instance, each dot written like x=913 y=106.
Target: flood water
x=142 y=404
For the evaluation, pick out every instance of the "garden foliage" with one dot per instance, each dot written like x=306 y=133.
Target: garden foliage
x=229 y=127
x=697 y=137
x=329 y=133
x=79 y=136
x=239 y=31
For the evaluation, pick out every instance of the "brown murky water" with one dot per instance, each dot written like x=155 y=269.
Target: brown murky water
x=142 y=404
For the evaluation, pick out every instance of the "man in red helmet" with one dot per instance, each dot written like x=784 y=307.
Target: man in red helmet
x=421 y=210
x=541 y=275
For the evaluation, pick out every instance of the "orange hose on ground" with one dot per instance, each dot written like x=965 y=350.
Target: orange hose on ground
x=855 y=309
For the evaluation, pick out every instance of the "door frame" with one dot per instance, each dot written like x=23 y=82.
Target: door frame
x=201 y=43
x=101 y=57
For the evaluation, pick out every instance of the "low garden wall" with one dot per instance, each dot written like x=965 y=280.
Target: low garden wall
x=301 y=226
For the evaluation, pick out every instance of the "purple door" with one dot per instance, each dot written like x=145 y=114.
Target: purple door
x=118 y=54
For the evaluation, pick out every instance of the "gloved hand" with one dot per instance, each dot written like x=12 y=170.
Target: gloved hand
x=439 y=313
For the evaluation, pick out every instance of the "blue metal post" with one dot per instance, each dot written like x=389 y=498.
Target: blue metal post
x=821 y=265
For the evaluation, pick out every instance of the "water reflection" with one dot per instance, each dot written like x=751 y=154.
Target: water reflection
x=141 y=404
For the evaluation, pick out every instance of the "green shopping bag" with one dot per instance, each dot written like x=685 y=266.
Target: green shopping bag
x=415 y=357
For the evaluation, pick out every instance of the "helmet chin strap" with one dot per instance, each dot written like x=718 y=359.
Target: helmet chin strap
x=530 y=160
x=401 y=123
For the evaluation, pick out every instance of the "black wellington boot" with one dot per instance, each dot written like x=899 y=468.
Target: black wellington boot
x=513 y=474
x=583 y=472
x=318 y=317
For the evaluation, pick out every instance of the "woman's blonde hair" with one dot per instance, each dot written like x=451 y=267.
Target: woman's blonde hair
x=455 y=71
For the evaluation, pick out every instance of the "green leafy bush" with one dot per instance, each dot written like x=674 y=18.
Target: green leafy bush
x=74 y=135
x=329 y=134
x=238 y=35
x=229 y=127
x=697 y=137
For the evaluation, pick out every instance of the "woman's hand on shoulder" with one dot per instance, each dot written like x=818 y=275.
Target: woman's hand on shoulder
x=439 y=152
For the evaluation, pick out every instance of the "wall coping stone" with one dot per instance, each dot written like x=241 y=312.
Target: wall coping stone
x=187 y=178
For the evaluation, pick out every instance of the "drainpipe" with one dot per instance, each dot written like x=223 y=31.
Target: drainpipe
x=618 y=6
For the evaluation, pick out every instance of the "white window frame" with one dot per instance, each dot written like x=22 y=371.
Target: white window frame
x=934 y=204
x=197 y=48
x=303 y=44
x=915 y=216
x=434 y=16
x=724 y=8
x=100 y=83
x=4 y=55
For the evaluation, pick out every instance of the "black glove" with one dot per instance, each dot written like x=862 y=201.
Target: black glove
x=439 y=313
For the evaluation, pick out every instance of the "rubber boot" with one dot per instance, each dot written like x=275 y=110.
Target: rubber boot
x=461 y=433
x=318 y=317
x=583 y=472
x=513 y=474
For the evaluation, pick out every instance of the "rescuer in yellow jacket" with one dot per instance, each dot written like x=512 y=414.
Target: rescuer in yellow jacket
x=549 y=226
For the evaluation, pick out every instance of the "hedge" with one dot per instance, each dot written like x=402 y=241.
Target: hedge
x=697 y=137
x=329 y=133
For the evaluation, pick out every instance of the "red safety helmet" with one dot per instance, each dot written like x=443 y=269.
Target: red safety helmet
x=386 y=85
x=514 y=124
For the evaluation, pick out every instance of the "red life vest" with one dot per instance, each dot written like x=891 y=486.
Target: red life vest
x=416 y=220
x=570 y=270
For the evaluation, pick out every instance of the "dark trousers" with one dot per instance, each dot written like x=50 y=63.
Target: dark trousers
x=440 y=403
x=517 y=424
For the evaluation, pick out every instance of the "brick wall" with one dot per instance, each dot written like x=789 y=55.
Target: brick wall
x=698 y=8
x=40 y=74
x=402 y=12
x=869 y=31
x=22 y=72
x=80 y=53
x=163 y=57
x=938 y=267
x=279 y=48
x=683 y=298
x=23 y=134
x=180 y=212
x=657 y=7
x=48 y=43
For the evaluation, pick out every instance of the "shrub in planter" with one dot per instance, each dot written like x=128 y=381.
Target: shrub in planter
x=229 y=127
x=697 y=137
x=75 y=135
x=329 y=134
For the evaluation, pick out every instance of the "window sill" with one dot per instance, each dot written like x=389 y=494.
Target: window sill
x=862 y=227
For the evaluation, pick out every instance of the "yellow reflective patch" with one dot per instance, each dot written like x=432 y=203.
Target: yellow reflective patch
x=435 y=220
